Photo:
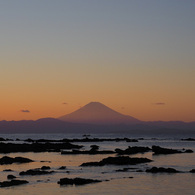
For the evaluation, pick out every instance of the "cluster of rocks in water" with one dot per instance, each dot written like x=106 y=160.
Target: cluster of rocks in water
x=120 y=160
x=43 y=145
x=13 y=183
x=132 y=150
x=2 y=139
x=84 y=140
x=37 y=171
x=61 y=147
x=9 y=160
x=94 y=150
x=160 y=150
x=36 y=147
x=46 y=145
x=31 y=172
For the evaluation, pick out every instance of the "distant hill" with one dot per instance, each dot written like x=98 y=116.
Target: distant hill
x=98 y=113
x=43 y=125
x=52 y=125
x=98 y=118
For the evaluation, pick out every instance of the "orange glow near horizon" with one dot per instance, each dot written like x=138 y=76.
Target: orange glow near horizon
x=148 y=112
x=147 y=96
x=135 y=58
x=126 y=90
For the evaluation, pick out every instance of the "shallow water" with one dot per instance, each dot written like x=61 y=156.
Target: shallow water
x=119 y=182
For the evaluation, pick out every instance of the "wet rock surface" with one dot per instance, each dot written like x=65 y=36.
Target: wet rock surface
x=192 y=171
x=11 y=177
x=94 y=150
x=37 y=171
x=160 y=150
x=133 y=150
x=76 y=181
x=161 y=170
x=9 y=160
x=45 y=168
x=121 y=160
x=13 y=183
x=7 y=170
x=126 y=169
x=62 y=168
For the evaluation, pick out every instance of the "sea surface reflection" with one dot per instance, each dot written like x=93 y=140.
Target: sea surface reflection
x=113 y=182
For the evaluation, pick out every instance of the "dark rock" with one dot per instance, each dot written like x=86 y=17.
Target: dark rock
x=35 y=172
x=188 y=139
x=7 y=170
x=188 y=151
x=127 y=177
x=29 y=140
x=192 y=171
x=86 y=139
x=45 y=168
x=9 y=160
x=160 y=150
x=121 y=160
x=35 y=147
x=86 y=135
x=94 y=148
x=2 y=139
x=125 y=169
x=139 y=171
x=62 y=168
x=131 y=140
x=12 y=183
x=22 y=160
x=11 y=177
x=76 y=181
x=91 y=152
x=162 y=170
x=133 y=150
x=7 y=139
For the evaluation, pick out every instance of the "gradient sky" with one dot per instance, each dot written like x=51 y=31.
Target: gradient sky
x=137 y=57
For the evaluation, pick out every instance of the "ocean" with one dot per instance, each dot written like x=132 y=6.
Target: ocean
x=134 y=181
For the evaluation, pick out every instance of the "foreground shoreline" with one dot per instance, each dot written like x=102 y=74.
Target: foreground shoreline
x=48 y=167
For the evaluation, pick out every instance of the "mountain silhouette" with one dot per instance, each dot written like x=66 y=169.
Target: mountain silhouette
x=98 y=118
x=98 y=113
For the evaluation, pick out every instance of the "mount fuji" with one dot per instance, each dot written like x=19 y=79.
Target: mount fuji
x=98 y=113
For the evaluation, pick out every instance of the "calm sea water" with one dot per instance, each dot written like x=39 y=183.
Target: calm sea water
x=118 y=182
